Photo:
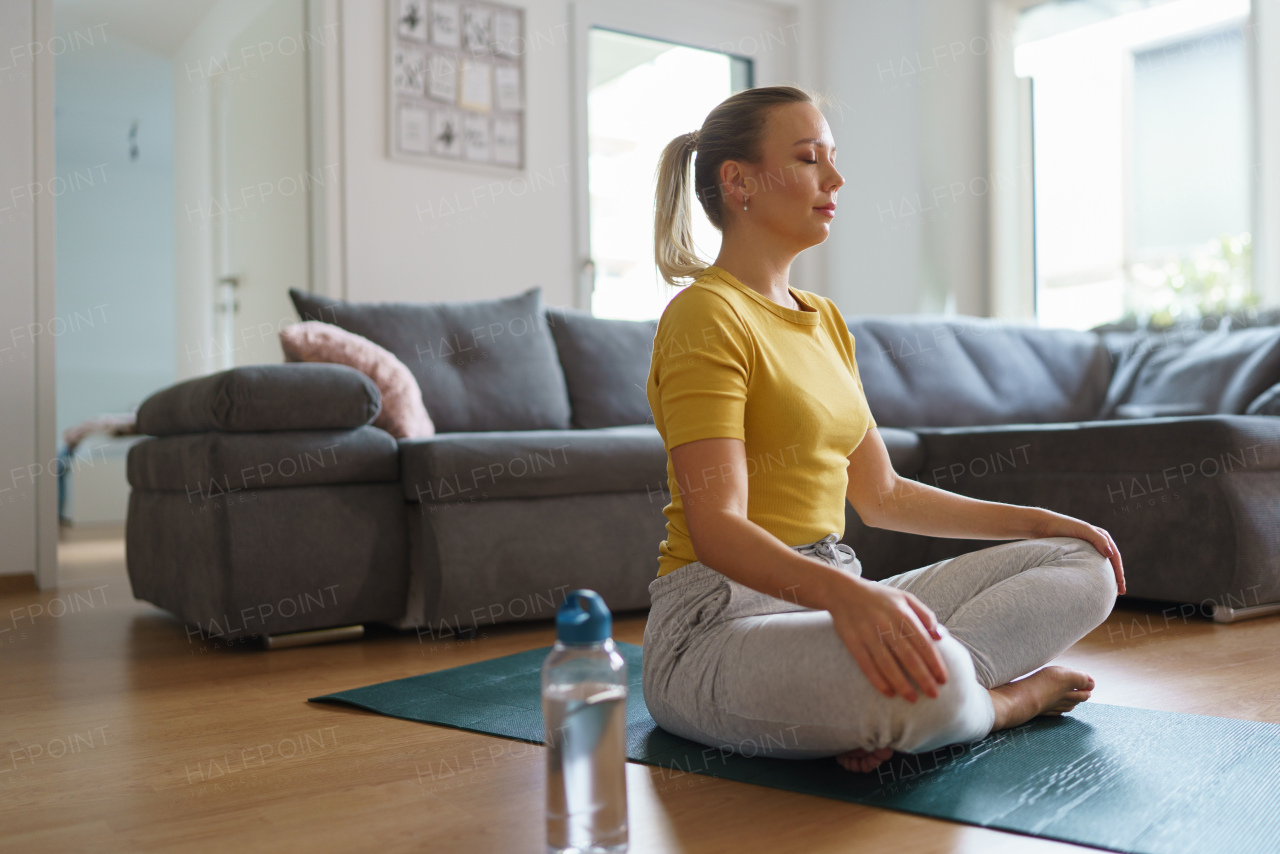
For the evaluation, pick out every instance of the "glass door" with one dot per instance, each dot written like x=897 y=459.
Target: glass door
x=642 y=92
x=644 y=73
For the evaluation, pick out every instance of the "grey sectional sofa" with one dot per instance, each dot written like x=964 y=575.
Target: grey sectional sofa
x=265 y=504
x=1169 y=441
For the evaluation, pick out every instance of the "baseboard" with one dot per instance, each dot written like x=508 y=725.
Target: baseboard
x=22 y=582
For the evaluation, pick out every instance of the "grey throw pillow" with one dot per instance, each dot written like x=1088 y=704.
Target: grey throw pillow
x=606 y=366
x=1215 y=372
x=482 y=365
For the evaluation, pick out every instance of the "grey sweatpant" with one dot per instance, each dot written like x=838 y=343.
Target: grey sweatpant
x=733 y=668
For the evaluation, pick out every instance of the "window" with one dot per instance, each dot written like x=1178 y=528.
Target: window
x=1143 y=162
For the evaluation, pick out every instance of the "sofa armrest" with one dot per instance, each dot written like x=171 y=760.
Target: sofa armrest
x=1190 y=502
x=264 y=398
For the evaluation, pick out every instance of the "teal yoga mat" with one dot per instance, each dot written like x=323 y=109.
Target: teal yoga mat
x=1111 y=777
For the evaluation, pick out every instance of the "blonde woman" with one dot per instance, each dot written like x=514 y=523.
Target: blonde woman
x=763 y=638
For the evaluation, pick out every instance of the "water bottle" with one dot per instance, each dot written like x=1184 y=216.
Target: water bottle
x=584 y=705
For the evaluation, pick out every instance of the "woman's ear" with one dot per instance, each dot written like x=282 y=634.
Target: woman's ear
x=732 y=182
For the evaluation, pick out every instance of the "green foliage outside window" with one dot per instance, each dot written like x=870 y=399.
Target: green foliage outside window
x=1213 y=280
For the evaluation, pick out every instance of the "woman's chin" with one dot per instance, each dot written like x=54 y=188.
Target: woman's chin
x=811 y=235
x=820 y=234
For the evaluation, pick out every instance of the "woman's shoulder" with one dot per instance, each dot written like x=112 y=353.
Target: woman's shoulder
x=701 y=316
x=705 y=298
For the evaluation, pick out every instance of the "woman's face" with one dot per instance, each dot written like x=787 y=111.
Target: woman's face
x=791 y=192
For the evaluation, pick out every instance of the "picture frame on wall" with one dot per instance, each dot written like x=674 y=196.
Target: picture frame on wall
x=455 y=84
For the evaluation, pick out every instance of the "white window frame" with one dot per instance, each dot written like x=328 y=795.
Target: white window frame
x=1012 y=236
x=729 y=26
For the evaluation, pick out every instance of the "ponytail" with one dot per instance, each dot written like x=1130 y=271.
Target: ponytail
x=731 y=131
x=673 y=247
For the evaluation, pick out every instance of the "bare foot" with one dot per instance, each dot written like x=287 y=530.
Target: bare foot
x=1049 y=691
x=863 y=760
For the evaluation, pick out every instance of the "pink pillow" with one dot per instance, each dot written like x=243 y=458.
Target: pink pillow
x=403 y=413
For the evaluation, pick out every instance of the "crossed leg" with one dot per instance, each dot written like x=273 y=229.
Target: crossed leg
x=1015 y=607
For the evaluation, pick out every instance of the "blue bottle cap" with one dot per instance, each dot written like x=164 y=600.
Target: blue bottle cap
x=583 y=618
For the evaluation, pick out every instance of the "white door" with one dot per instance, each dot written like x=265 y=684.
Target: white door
x=643 y=74
x=264 y=184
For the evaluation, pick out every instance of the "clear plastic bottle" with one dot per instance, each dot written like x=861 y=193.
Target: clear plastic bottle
x=584 y=705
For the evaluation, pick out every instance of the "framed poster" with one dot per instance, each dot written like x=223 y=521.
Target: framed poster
x=455 y=84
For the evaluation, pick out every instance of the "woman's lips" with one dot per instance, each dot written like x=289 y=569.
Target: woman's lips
x=828 y=211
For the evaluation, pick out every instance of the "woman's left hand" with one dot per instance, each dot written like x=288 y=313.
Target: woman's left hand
x=1058 y=525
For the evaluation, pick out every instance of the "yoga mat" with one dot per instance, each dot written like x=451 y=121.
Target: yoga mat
x=1113 y=777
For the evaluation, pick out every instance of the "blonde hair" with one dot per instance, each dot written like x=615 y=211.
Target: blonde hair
x=731 y=131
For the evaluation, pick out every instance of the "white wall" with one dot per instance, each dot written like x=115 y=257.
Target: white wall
x=909 y=139
x=28 y=490
x=422 y=233
x=401 y=243
x=17 y=303
x=910 y=122
x=911 y=115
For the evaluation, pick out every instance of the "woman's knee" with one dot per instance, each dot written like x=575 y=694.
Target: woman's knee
x=961 y=712
x=1100 y=587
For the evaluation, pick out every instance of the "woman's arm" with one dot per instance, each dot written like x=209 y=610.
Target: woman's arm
x=711 y=475
x=886 y=500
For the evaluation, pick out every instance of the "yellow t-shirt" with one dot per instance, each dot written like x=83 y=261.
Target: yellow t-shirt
x=728 y=361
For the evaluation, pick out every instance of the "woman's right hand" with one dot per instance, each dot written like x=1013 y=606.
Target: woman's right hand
x=891 y=634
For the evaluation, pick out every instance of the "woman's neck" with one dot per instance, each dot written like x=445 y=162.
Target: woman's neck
x=766 y=276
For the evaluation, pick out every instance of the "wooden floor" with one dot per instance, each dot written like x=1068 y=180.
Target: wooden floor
x=120 y=734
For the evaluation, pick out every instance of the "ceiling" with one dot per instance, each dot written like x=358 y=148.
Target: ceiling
x=160 y=26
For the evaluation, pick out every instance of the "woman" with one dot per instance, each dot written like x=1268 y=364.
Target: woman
x=763 y=637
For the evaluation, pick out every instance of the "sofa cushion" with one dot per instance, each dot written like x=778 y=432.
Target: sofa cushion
x=927 y=370
x=449 y=468
x=606 y=366
x=1205 y=372
x=212 y=465
x=258 y=398
x=481 y=365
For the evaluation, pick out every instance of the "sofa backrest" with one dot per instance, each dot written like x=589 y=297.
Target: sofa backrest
x=948 y=371
x=482 y=365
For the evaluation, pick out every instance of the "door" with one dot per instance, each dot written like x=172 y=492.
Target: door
x=644 y=74
x=263 y=183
